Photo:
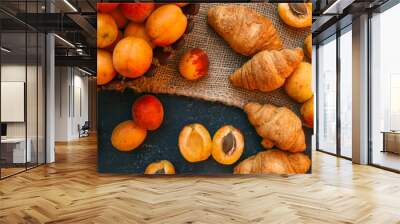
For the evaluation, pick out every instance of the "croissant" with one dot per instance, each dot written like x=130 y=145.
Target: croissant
x=267 y=70
x=277 y=126
x=274 y=161
x=246 y=31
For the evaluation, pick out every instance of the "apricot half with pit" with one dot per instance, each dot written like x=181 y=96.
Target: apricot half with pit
x=228 y=145
x=160 y=167
x=297 y=15
x=195 y=143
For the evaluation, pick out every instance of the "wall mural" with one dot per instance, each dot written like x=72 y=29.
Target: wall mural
x=210 y=88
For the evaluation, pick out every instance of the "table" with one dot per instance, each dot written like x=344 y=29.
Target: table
x=18 y=149
x=391 y=141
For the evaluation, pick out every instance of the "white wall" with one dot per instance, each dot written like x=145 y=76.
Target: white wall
x=80 y=84
x=61 y=103
x=12 y=73
x=70 y=83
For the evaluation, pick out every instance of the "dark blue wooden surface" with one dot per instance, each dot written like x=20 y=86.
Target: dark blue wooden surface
x=115 y=107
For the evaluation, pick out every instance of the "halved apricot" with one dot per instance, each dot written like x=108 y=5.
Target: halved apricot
x=160 y=167
x=195 y=143
x=228 y=145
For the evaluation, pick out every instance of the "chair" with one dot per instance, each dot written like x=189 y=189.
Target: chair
x=84 y=130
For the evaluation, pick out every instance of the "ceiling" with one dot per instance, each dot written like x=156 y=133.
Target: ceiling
x=78 y=27
x=332 y=15
x=39 y=6
x=72 y=20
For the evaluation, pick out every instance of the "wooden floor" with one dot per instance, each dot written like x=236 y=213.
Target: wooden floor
x=387 y=159
x=5 y=172
x=71 y=191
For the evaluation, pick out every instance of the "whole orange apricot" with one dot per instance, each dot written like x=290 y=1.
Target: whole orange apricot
x=119 y=18
x=194 y=64
x=132 y=57
x=182 y=4
x=106 y=7
x=105 y=69
x=112 y=46
x=137 y=12
x=166 y=25
x=127 y=136
x=307 y=111
x=137 y=30
x=148 y=112
x=107 y=30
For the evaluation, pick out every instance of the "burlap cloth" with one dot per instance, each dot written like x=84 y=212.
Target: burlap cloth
x=223 y=62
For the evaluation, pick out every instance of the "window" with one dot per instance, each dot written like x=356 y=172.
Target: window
x=22 y=76
x=327 y=96
x=385 y=89
x=346 y=75
x=394 y=119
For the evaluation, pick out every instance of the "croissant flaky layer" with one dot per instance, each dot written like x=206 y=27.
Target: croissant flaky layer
x=274 y=161
x=246 y=31
x=267 y=70
x=278 y=126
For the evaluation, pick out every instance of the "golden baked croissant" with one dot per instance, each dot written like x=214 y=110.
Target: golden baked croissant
x=267 y=70
x=274 y=161
x=246 y=31
x=277 y=126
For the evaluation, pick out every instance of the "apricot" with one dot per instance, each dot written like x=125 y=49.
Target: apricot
x=228 y=145
x=297 y=15
x=132 y=57
x=137 y=30
x=127 y=136
x=182 y=4
x=148 y=112
x=160 y=167
x=105 y=69
x=195 y=143
x=194 y=64
x=299 y=85
x=308 y=46
x=166 y=25
x=307 y=111
x=112 y=46
x=106 y=7
x=137 y=12
x=119 y=18
x=107 y=30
